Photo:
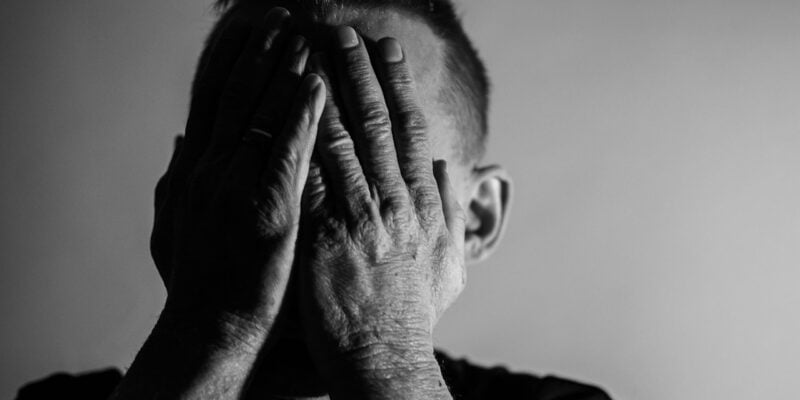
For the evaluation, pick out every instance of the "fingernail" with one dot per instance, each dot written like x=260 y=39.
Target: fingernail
x=313 y=82
x=317 y=92
x=275 y=22
x=276 y=16
x=278 y=12
x=297 y=43
x=391 y=51
x=347 y=37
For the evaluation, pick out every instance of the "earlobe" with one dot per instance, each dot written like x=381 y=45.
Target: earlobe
x=487 y=212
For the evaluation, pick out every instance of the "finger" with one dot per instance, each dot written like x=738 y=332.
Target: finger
x=292 y=151
x=271 y=114
x=270 y=118
x=337 y=151
x=246 y=82
x=454 y=216
x=408 y=123
x=215 y=66
x=258 y=147
x=316 y=191
x=368 y=117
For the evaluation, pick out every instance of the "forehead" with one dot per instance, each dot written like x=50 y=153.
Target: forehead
x=423 y=49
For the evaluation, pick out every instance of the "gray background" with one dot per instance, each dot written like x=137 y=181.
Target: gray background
x=655 y=240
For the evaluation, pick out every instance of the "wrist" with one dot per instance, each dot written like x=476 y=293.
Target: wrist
x=197 y=357
x=211 y=333
x=392 y=370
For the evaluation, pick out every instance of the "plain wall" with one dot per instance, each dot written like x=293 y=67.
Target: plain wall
x=654 y=243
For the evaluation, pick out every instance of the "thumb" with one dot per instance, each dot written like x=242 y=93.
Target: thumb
x=454 y=216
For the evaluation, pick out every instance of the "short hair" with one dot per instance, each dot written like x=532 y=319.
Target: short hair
x=469 y=88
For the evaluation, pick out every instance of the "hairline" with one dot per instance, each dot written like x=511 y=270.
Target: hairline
x=458 y=95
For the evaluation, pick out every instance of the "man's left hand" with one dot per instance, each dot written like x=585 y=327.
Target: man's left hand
x=383 y=233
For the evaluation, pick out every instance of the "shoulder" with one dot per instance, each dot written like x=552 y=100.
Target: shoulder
x=471 y=382
x=466 y=381
x=93 y=385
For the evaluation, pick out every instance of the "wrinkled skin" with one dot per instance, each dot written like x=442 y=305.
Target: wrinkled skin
x=229 y=206
x=382 y=237
x=383 y=233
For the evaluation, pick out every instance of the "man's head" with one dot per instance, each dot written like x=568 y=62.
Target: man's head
x=452 y=90
x=467 y=88
x=451 y=80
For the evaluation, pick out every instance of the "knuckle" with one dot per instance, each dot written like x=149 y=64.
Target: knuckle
x=429 y=218
x=415 y=139
x=394 y=211
x=398 y=77
x=365 y=228
x=337 y=141
x=351 y=178
x=413 y=121
x=428 y=208
x=393 y=196
x=314 y=189
x=315 y=177
x=330 y=234
x=315 y=199
x=398 y=220
x=372 y=240
x=375 y=119
x=416 y=174
x=358 y=68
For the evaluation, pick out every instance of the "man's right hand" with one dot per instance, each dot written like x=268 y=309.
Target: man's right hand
x=227 y=213
x=224 y=236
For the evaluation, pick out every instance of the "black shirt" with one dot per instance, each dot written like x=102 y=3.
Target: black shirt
x=466 y=382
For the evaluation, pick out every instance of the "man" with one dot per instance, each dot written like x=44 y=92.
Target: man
x=314 y=223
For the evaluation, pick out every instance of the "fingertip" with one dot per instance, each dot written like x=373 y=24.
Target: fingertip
x=346 y=37
x=317 y=92
x=446 y=190
x=440 y=170
x=453 y=212
x=276 y=14
x=319 y=79
x=313 y=81
x=297 y=43
x=390 y=50
x=276 y=20
x=314 y=86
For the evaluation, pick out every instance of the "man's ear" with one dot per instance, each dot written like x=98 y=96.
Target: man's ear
x=487 y=211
